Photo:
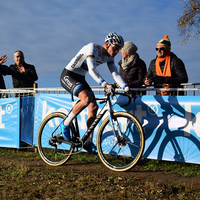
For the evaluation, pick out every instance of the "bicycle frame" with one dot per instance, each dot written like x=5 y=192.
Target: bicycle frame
x=106 y=108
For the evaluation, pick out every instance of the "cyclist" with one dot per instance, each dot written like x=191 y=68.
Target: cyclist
x=73 y=80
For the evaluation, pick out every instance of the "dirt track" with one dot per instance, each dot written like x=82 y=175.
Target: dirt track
x=191 y=182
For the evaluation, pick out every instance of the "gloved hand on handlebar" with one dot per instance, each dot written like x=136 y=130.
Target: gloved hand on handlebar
x=115 y=85
x=109 y=89
x=130 y=93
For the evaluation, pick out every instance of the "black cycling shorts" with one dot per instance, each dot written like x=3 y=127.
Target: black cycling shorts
x=74 y=83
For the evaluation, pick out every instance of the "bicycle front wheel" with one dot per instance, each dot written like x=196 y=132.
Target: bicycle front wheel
x=123 y=152
x=54 y=153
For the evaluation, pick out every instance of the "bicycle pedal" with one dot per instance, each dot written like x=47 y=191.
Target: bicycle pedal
x=52 y=143
x=60 y=137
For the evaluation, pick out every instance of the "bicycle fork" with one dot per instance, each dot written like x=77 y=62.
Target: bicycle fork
x=114 y=124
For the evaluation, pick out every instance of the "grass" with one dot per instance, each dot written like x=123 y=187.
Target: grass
x=19 y=180
x=183 y=169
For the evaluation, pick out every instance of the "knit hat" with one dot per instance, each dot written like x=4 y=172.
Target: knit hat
x=129 y=48
x=165 y=42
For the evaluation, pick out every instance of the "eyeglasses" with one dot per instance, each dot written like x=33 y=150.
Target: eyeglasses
x=161 y=49
x=115 y=48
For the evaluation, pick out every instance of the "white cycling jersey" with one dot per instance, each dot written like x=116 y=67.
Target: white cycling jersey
x=88 y=58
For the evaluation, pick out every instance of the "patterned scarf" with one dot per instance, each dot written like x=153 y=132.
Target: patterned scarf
x=126 y=63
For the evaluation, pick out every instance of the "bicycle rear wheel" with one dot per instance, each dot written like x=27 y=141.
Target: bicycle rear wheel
x=53 y=152
x=121 y=154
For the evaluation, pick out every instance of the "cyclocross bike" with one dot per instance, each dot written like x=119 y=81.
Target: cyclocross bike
x=120 y=137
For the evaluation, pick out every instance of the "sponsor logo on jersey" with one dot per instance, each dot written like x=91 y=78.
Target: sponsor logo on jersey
x=77 y=60
x=96 y=73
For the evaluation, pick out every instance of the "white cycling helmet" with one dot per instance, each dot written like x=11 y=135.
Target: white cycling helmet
x=114 y=38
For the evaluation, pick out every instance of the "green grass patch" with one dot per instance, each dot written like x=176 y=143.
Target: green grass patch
x=183 y=169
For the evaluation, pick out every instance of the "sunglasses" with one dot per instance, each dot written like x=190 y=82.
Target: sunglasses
x=161 y=49
x=115 y=48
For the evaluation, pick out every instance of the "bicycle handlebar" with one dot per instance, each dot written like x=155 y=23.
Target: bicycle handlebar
x=129 y=98
x=109 y=95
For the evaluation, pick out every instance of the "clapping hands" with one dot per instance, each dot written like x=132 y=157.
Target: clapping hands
x=20 y=68
x=3 y=59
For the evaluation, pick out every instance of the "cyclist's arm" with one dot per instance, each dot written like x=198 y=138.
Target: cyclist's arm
x=117 y=77
x=93 y=72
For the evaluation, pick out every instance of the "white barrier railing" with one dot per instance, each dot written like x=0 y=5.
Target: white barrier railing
x=189 y=89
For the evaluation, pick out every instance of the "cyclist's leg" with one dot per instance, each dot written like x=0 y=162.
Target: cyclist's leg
x=73 y=84
x=76 y=84
x=87 y=97
x=92 y=111
x=85 y=100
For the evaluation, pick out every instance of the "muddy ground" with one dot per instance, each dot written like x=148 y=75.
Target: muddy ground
x=96 y=168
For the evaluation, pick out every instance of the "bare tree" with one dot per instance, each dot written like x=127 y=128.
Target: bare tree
x=188 y=23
